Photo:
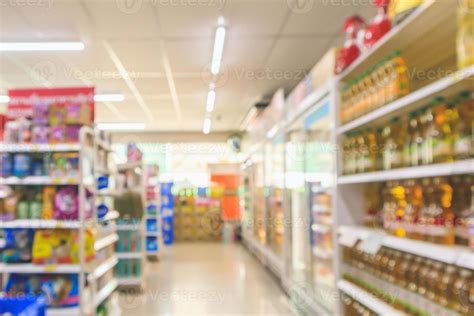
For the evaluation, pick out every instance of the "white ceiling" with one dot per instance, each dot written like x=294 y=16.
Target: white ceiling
x=165 y=46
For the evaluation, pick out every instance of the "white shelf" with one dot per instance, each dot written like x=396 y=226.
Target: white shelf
x=39 y=180
x=29 y=268
x=132 y=281
x=405 y=34
x=459 y=255
x=125 y=227
x=129 y=165
x=105 y=292
x=39 y=147
x=371 y=301
x=41 y=224
x=104 y=267
x=129 y=255
x=63 y=311
x=105 y=241
x=435 y=170
x=443 y=87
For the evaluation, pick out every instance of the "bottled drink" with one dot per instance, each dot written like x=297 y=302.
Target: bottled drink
x=393 y=145
x=414 y=203
x=462 y=292
x=463 y=126
x=445 y=286
x=429 y=135
x=442 y=136
x=362 y=153
x=416 y=140
x=388 y=208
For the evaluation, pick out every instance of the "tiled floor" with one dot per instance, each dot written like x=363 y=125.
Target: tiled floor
x=207 y=279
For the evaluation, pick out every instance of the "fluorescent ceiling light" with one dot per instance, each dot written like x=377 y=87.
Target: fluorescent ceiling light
x=218 y=50
x=4 y=99
x=211 y=100
x=206 y=129
x=121 y=126
x=40 y=46
x=109 y=97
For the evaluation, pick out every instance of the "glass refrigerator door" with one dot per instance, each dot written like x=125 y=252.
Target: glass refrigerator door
x=319 y=182
x=259 y=198
x=299 y=248
x=274 y=154
x=245 y=195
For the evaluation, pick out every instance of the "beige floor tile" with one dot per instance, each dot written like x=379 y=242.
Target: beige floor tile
x=207 y=279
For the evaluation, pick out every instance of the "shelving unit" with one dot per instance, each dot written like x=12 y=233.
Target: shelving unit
x=434 y=170
x=105 y=238
x=152 y=212
x=367 y=299
x=426 y=39
x=134 y=172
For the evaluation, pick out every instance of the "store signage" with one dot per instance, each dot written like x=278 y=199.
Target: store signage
x=22 y=100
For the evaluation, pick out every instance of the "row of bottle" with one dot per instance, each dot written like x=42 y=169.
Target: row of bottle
x=438 y=210
x=354 y=308
x=378 y=86
x=447 y=285
x=440 y=132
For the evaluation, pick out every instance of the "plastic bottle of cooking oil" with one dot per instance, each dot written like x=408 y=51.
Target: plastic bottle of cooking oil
x=393 y=147
x=463 y=125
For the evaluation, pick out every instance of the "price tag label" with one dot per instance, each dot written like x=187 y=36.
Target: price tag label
x=466 y=260
x=372 y=243
x=348 y=239
x=56 y=180
x=50 y=267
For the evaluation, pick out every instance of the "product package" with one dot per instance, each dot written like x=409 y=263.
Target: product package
x=59 y=290
x=18 y=245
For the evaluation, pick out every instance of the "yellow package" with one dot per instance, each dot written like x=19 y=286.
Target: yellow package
x=402 y=7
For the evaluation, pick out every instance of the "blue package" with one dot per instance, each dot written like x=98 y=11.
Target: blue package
x=59 y=290
x=6 y=161
x=24 y=306
x=18 y=245
x=102 y=210
x=38 y=169
x=102 y=182
x=21 y=165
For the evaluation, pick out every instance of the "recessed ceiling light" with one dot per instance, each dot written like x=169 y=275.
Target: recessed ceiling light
x=218 y=50
x=206 y=128
x=4 y=99
x=121 y=126
x=40 y=46
x=211 y=99
x=109 y=97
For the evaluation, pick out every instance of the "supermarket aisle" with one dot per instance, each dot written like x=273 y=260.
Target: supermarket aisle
x=208 y=279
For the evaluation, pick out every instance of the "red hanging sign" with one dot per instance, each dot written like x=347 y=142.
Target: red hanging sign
x=22 y=100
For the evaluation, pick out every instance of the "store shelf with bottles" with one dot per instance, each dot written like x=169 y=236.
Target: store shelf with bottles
x=431 y=25
x=152 y=211
x=407 y=160
x=131 y=250
x=76 y=229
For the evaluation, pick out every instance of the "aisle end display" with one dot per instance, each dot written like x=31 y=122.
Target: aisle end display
x=58 y=240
